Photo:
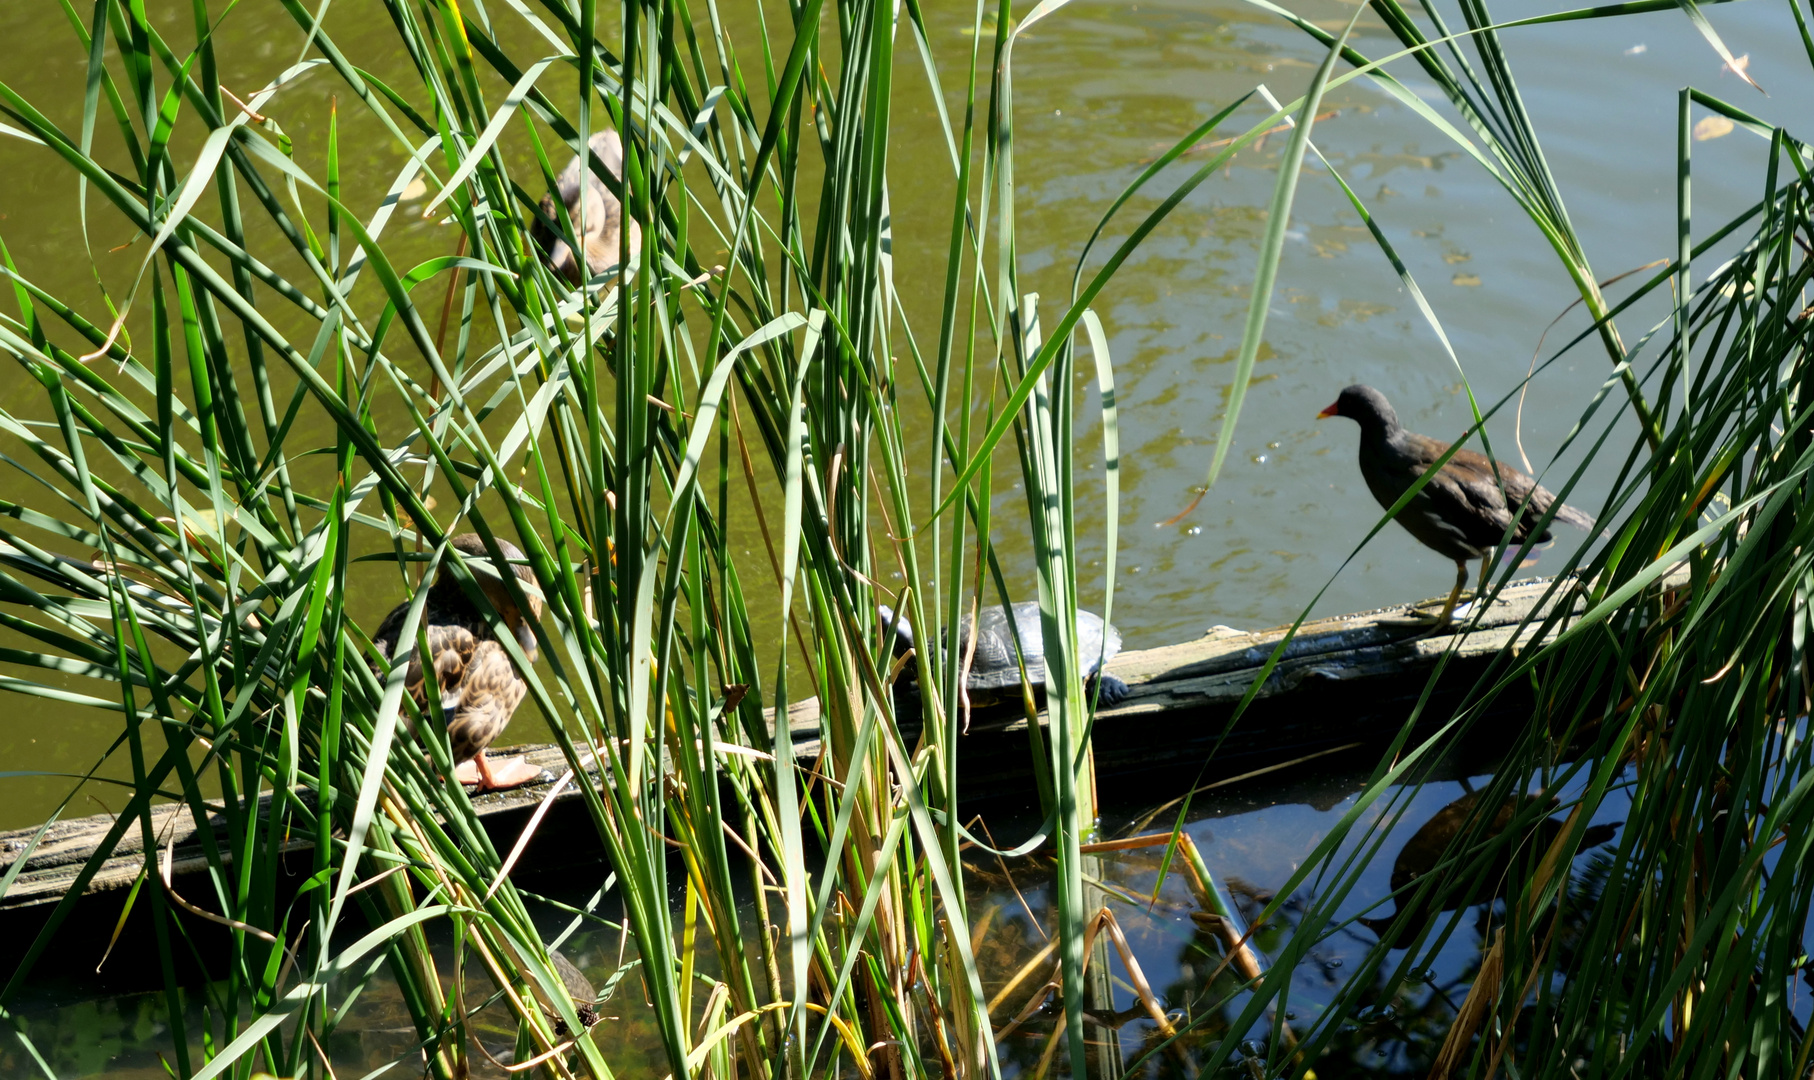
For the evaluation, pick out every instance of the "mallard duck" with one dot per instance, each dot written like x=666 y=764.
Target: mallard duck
x=603 y=215
x=478 y=685
x=1462 y=512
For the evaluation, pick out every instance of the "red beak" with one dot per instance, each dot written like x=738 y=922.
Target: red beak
x=1330 y=411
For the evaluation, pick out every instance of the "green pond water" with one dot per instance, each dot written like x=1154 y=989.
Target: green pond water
x=1100 y=90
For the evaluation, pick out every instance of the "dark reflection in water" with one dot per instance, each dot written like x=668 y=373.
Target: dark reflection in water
x=1252 y=851
x=127 y=1035
x=1424 y=852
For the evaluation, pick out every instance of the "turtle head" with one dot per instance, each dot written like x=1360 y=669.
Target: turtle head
x=899 y=626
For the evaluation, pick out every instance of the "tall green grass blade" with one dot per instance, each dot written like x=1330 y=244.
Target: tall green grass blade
x=1272 y=249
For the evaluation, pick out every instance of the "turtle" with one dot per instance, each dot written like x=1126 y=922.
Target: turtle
x=579 y=988
x=994 y=673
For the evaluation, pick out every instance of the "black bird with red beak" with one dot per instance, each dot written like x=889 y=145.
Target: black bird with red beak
x=1465 y=509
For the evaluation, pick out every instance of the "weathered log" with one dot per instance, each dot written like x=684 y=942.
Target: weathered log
x=1345 y=686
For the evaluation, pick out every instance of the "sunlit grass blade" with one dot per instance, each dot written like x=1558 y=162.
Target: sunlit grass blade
x=1272 y=250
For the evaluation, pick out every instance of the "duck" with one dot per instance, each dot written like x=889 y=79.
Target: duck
x=1465 y=509
x=479 y=685
x=601 y=229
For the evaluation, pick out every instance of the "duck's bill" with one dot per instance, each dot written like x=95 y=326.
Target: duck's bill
x=525 y=637
x=1328 y=412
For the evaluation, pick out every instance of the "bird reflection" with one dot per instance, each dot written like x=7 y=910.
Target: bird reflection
x=1427 y=848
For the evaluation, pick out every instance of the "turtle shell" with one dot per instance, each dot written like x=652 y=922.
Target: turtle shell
x=994 y=666
x=579 y=988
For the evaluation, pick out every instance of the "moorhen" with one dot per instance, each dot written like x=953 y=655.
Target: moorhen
x=1462 y=512
x=479 y=686
x=603 y=222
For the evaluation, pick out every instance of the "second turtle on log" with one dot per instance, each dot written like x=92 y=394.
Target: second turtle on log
x=994 y=671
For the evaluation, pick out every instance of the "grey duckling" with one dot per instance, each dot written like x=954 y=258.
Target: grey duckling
x=598 y=225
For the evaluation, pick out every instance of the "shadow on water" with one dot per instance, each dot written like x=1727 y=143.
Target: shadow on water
x=1252 y=837
x=1254 y=850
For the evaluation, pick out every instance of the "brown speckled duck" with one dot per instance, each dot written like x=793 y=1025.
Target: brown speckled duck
x=479 y=686
x=602 y=228
x=1462 y=512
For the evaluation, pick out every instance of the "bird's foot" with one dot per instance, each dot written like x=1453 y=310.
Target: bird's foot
x=1417 y=625
x=497 y=775
x=1435 y=627
x=1433 y=622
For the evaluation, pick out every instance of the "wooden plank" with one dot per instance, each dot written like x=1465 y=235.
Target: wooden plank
x=68 y=845
x=1344 y=687
x=1346 y=684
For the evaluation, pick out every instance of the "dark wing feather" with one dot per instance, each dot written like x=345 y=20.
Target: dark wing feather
x=1468 y=497
x=1519 y=486
x=1568 y=515
x=1439 y=515
x=1463 y=510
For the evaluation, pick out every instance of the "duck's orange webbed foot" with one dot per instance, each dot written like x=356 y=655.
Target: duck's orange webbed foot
x=497 y=775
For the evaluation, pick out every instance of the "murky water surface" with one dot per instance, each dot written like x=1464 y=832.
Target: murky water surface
x=1253 y=853
x=1100 y=90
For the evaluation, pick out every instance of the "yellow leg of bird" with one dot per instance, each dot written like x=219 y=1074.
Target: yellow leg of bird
x=1461 y=582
